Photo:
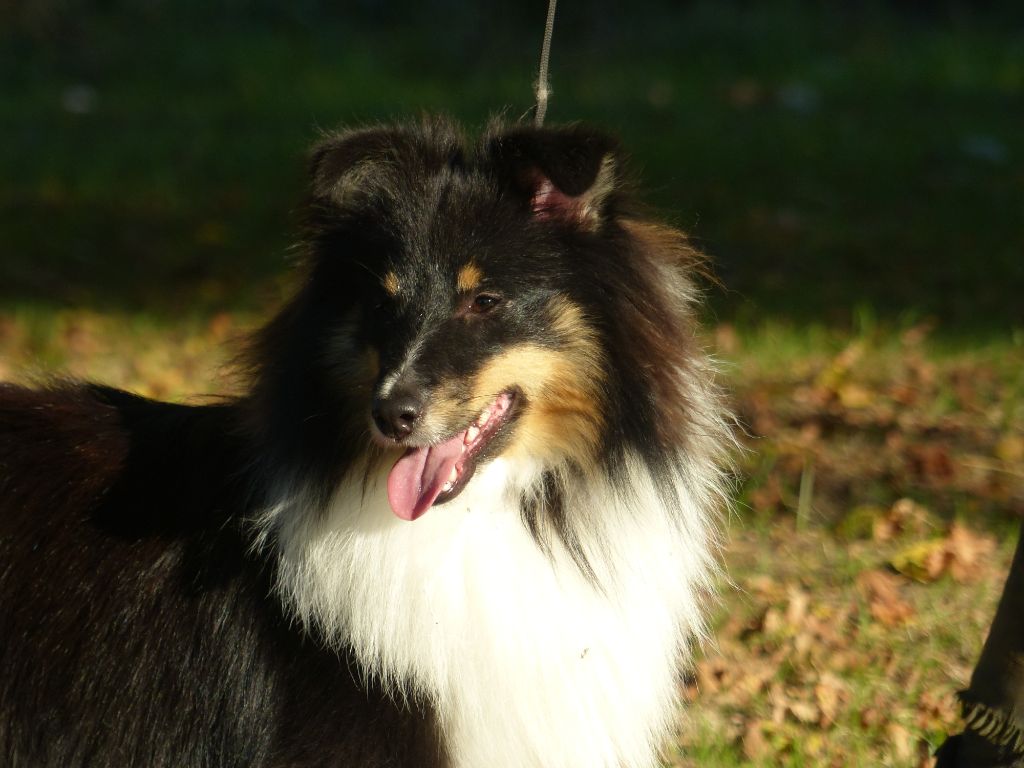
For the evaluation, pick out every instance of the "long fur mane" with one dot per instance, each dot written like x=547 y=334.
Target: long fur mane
x=549 y=607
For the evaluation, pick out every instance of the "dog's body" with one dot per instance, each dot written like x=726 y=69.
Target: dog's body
x=463 y=518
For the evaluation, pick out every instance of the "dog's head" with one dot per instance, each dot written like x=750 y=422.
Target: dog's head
x=468 y=302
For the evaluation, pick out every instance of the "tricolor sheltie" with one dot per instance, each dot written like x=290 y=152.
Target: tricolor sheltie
x=463 y=517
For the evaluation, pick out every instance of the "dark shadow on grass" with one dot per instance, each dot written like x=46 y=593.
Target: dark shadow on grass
x=833 y=160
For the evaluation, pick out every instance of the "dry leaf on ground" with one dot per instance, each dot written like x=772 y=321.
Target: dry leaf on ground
x=881 y=590
x=962 y=553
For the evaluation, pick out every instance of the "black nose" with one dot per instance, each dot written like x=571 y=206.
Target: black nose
x=396 y=414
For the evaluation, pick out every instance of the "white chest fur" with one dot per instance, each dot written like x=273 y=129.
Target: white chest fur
x=529 y=664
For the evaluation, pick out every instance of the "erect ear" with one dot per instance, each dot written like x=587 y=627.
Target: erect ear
x=565 y=174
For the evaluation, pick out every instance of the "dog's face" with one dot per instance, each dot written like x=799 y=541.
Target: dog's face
x=473 y=360
x=459 y=276
x=458 y=304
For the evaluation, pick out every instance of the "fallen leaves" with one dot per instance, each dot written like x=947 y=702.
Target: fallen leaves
x=831 y=652
x=1010 y=449
x=881 y=524
x=827 y=656
x=961 y=553
x=830 y=694
x=882 y=592
x=883 y=420
x=164 y=359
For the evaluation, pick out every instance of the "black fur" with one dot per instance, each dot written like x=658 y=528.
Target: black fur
x=138 y=629
x=138 y=620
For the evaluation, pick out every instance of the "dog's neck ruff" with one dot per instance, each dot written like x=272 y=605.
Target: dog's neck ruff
x=528 y=662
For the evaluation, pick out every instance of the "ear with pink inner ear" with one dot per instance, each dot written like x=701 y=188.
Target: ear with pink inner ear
x=563 y=174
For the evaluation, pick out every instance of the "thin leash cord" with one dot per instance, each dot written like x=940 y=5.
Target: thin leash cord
x=542 y=88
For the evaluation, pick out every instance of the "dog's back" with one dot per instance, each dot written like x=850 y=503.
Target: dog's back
x=134 y=621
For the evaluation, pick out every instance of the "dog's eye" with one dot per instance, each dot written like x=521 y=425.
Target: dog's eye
x=484 y=302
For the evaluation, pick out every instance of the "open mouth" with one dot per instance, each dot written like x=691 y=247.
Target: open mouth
x=434 y=474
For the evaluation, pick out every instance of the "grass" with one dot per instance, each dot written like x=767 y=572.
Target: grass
x=829 y=648
x=792 y=640
x=808 y=666
x=831 y=160
x=855 y=171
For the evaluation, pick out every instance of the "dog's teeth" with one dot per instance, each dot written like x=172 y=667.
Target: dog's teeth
x=472 y=434
x=484 y=418
x=453 y=476
x=448 y=486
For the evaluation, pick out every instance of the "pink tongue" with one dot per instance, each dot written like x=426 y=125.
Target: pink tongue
x=417 y=478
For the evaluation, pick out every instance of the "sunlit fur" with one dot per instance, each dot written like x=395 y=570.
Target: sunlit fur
x=231 y=585
x=469 y=277
x=545 y=613
x=528 y=661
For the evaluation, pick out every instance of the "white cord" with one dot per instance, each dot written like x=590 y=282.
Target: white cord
x=542 y=88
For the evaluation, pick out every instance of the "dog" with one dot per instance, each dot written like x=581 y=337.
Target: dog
x=463 y=516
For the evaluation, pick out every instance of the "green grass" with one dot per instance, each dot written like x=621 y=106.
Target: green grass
x=857 y=175
x=877 y=415
x=895 y=683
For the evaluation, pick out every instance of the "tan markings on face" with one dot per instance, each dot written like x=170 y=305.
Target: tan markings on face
x=469 y=278
x=448 y=412
x=562 y=386
x=390 y=283
x=568 y=322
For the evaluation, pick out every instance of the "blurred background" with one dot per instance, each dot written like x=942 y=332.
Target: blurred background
x=855 y=170
x=835 y=158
